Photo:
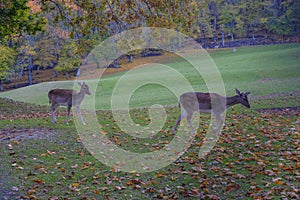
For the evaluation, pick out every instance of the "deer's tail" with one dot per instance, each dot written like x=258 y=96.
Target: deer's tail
x=179 y=105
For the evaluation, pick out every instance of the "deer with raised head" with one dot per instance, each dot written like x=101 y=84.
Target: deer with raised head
x=208 y=103
x=69 y=98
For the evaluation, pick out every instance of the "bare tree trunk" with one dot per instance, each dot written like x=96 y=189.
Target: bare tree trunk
x=129 y=58
x=223 y=39
x=30 y=67
x=54 y=73
x=78 y=72
x=203 y=40
x=1 y=86
x=21 y=72
x=30 y=70
x=116 y=64
x=179 y=40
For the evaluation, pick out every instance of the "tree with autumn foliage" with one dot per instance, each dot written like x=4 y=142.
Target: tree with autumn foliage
x=69 y=59
x=106 y=17
x=17 y=19
x=7 y=56
x=282 y=16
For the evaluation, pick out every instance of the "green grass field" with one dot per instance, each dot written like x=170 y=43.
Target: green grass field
x=263 y=71
x=256 y=156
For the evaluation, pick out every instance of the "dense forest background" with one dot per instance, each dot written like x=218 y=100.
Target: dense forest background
x=58 y=34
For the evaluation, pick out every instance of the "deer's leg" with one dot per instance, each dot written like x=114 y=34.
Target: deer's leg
x=80 y=116
x=219 y=121
x=181 y=116
x=68 y=113
x=53 y=107
x=189 y=119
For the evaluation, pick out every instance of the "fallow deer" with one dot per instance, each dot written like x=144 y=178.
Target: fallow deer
x=208 y=103
x=69 y=98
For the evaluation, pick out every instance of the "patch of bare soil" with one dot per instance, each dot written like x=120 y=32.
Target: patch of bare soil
x=26 y=133
x=264 y=80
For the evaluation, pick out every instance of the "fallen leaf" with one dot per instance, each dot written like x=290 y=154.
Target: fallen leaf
x=76 y=184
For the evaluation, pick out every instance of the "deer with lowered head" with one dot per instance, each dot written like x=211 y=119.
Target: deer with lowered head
x=208 y=103
x=69 y=98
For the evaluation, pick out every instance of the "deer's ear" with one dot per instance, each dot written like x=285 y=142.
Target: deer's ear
x=237 y=92
x=247 y=93
x=79 y=83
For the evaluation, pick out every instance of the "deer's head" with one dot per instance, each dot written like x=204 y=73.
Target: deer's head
x=243 y=98
x=84 y=88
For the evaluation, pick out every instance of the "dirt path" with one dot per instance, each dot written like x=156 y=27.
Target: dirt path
x=281 y=111
x=26 y=133
x=276 y=95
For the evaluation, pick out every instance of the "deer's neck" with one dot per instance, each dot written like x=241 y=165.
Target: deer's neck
x=230 y=101
x=78 y=97
x=81 y=94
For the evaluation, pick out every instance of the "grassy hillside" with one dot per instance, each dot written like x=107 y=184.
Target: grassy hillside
x=263 y=70
x=266 y=71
